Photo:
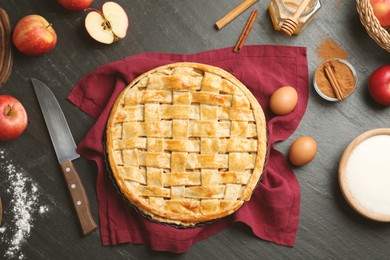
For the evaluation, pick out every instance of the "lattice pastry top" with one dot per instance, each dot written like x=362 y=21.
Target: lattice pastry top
x=186 y=143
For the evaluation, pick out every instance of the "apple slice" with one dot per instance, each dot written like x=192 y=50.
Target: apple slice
x=108 y=25
x=97 y=28
x=117 y=17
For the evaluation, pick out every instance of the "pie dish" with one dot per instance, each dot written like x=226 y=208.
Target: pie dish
x=186 y=143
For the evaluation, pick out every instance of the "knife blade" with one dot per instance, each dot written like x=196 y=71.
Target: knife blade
x=65 y=149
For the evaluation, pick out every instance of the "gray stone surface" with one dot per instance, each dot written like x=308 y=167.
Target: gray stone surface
x=328 y=227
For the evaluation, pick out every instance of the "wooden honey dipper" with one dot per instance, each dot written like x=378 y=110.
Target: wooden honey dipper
x=290 y=25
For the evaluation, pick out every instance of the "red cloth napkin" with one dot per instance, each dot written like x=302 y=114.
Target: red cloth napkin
x=272 y=212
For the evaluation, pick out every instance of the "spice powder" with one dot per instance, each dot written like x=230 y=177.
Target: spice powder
x=329 y=49
x=343 y=74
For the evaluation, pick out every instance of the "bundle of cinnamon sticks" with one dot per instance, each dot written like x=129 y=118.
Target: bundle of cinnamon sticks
x=334 y=83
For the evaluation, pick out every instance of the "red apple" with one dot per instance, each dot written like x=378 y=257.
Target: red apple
x=75 y=5
x=33 y=35
x=381 y=10
x=379 y=85
x=13 y=118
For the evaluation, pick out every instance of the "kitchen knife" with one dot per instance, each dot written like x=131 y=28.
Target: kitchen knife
x=65 y=149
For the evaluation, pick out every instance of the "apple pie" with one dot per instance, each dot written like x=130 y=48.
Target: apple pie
x=186 y=143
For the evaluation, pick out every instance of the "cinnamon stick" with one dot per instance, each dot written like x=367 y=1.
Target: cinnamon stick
x=234 y=13
x=245 y=32
x=333 y=82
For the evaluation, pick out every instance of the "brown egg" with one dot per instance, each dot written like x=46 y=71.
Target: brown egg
x=302 y=150
x=283 y=100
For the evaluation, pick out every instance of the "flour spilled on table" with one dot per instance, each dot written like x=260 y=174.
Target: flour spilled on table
x=21 y=210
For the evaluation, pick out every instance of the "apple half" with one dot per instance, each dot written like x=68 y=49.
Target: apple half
x=107 y=25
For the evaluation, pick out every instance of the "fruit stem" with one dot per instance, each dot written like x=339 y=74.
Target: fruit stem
x=9 y=110
x=49 y=25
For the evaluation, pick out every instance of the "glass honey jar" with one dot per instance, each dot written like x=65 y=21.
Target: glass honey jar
x=280 y=10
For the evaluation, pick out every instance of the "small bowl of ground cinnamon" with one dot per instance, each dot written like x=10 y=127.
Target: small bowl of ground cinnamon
x=335 y=79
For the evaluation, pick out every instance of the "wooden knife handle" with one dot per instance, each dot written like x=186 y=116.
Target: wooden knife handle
x=79 y=197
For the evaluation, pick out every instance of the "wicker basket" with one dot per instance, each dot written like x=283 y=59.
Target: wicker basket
x=371 y=23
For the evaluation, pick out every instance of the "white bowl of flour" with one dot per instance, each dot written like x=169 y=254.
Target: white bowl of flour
x=364 y=174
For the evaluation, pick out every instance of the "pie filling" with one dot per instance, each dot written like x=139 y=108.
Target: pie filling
x=186 y=143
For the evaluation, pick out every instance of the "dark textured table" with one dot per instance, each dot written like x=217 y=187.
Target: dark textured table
x=328 y=227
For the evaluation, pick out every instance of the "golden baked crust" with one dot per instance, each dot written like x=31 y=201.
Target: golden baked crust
x=186 y=143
